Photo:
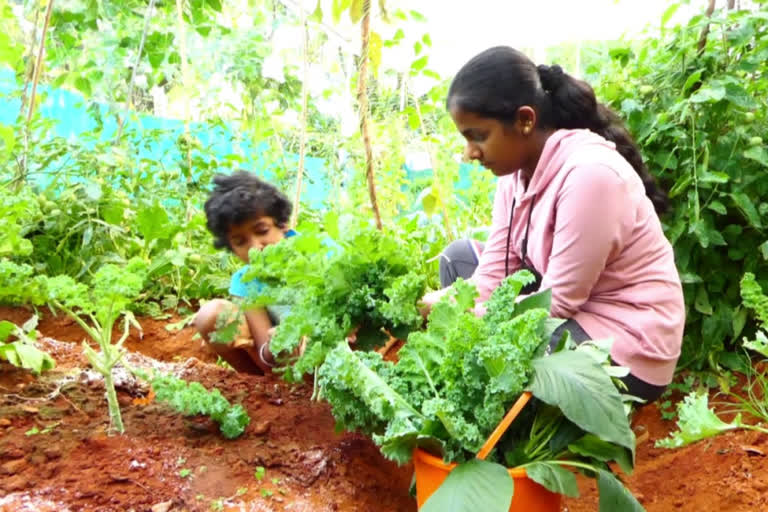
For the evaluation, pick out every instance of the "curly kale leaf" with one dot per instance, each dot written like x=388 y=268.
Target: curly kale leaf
x=191 y=399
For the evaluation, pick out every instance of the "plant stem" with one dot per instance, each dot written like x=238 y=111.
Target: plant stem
x=114 y=407
x=304 y=108
x=129 y=98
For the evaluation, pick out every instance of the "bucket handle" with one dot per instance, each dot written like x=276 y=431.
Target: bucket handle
x=504 y=425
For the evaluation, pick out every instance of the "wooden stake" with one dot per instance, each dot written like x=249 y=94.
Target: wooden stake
x=362 y=97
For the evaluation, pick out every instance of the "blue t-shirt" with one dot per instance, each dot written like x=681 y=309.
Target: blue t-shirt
x=240 y=288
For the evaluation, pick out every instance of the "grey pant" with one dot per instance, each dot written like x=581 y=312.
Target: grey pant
x=460 y=259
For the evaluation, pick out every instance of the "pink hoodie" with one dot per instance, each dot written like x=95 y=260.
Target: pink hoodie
x=598 y=243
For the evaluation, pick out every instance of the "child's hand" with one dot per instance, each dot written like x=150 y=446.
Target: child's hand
x=352 y=336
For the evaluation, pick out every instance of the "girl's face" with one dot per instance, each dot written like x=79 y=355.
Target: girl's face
x=501 y=147
x=254 y=233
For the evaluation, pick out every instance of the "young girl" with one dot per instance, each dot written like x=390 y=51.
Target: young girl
x=574 y=204
x=244 y=213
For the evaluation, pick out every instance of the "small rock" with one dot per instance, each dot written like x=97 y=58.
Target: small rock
x=13 y=467
x=275 y=401
x=261 y=427
x=162 y=507
x=37 y=458
x=52 y=453
x=5 y=422
x=13 y=453
x=753 y=450
x=15 y=483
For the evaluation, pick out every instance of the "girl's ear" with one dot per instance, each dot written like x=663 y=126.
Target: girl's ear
x=526 y=120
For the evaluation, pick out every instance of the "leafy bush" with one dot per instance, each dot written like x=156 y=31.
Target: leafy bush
x=697 y=111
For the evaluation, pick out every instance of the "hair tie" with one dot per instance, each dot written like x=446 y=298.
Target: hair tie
x=551 y=77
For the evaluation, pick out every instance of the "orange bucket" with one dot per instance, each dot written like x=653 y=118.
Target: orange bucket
x=529 y=496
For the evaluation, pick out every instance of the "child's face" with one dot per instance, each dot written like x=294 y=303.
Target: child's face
x=254 y=233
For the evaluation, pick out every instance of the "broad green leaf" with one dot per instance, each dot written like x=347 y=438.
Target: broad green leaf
x=759 y=344
x=764 y=250
x=8 y=138
x=413 y=121
x=27 y=356
x=356 y=11
x=671 y=10
x=579 y=386
x=614 y=496
x=692 y=79
x=739 y=321
x=419 y=64
x=417 y=16
x=747 y=208
x=10 y=52
x=92 y=191
x=6 y=328
x=758 y=154
x=739 y=96
x=214 y=4
x=701 y=303
x=696 y=421
x=83 y=85
x=553 y=477
x=541 y=300
x=153 y=222
x=429 y=202
x=690 y=278
x=338 y=7
x=709 y=94
x=718 y=207
x=682 y=183
x=317 y=14
x=592 y=446
x=472 y=486
x=427 y=40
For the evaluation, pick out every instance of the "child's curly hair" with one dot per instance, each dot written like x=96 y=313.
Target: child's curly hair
x=238 y=197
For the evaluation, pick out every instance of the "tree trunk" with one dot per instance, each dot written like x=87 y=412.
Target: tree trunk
x=362 y=98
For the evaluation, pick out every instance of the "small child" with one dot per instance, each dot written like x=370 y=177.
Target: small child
x=244 y=213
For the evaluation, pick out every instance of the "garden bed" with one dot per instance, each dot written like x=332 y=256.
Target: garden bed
x=55 y=453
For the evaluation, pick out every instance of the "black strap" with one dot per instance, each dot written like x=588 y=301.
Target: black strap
x=527 y=228
x=509 y=234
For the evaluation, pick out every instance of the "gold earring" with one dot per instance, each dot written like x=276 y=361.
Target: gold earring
x=527 y=130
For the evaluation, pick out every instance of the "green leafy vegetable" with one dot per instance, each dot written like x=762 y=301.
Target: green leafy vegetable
x=22 y=352
x=472 y=486
x=454 y=382
x=191 y=399
x=365 y=279
x=554 y=477
x=575 y=383
x=696 y=421
x=614 y=496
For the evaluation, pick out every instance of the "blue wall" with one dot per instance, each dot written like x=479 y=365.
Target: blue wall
x=74 y=118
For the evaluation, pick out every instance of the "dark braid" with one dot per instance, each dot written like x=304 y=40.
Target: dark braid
x=500 y=80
